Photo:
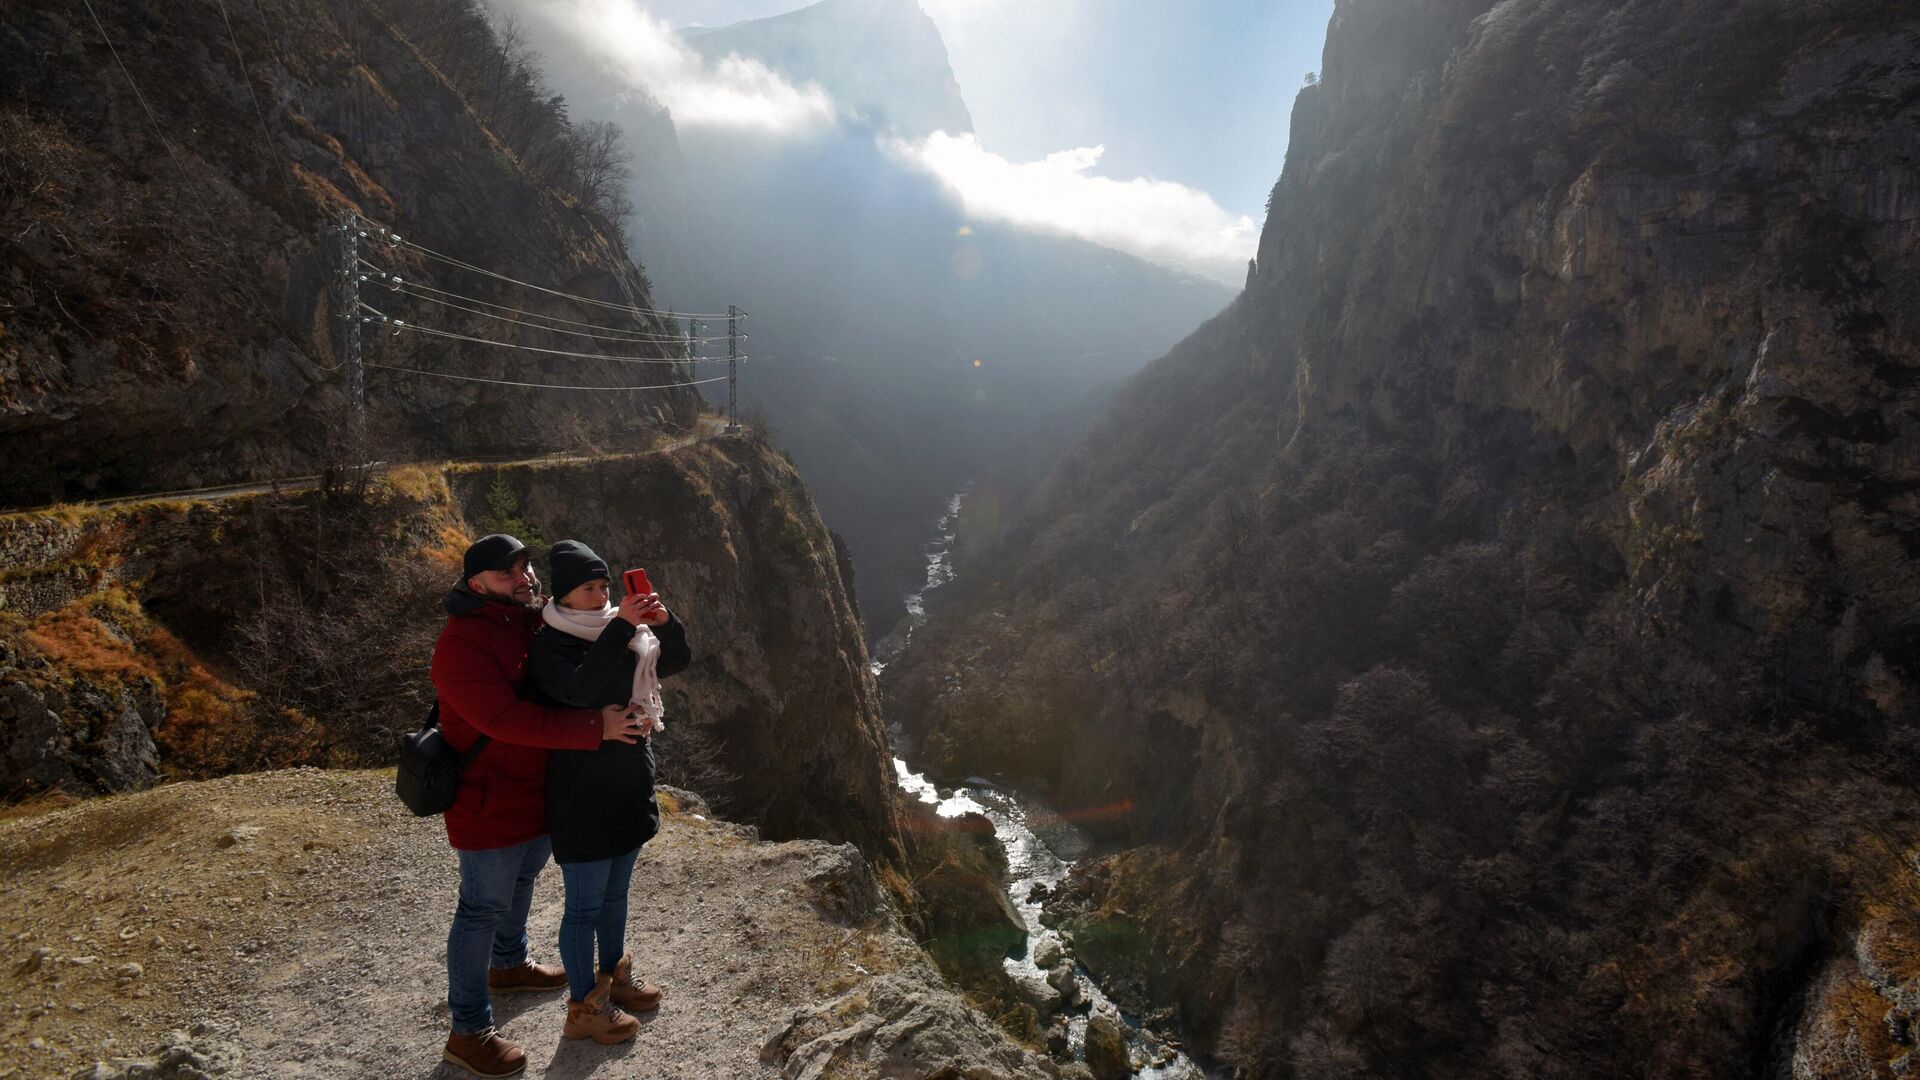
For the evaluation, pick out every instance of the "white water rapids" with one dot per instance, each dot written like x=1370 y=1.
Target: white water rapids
x=1041 y=845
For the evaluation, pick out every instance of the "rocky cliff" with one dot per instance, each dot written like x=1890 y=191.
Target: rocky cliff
x=1493 y=637
x=168 y=177
x=194 y=639
x=271 y=926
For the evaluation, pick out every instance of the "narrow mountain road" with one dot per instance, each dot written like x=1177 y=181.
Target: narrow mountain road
x=707 y=427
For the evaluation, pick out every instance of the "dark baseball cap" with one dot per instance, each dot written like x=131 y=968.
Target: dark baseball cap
x=495 y=551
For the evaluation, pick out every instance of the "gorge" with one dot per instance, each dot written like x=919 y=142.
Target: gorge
x=1488 y=645
x=1500 y=620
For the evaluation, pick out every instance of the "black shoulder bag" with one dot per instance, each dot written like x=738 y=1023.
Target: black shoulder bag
x=428 y=776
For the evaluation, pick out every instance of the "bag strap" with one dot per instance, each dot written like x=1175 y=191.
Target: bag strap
x=467 y=755
x=472 y=752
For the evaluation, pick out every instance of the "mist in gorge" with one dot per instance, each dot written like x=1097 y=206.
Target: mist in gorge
x=1269 y=538
x=804 y=166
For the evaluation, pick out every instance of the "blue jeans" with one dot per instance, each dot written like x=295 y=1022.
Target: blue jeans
x=489 y=925
x=596 y=907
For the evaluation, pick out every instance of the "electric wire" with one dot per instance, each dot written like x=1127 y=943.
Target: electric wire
x=239 y=283
x=541 y=386
x=407 y=288
x=564 y=352
x=400 y=325
x=138 y=96
x=394 y=238
x=247 y=80
x=632 y=309
x=399 y=283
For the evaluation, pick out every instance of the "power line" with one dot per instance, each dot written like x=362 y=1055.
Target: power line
x=395 y=238
x=562 y=352
x=410 y=288
x=397 y=282
x=543 y=386
x=247 y=81
x=451 y=261
x=138 y=96
x=400 y=325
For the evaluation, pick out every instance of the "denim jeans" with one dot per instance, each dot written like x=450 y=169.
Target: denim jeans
x=489 y=925
x=596 y=907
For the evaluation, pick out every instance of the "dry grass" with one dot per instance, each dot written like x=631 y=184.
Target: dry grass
x=211 y=725
x=421 y=483
x=77 y=639
x=35 y=805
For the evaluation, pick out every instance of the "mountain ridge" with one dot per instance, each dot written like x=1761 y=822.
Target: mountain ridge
x=872 y=294
x=1510 y=584
x=195 y=337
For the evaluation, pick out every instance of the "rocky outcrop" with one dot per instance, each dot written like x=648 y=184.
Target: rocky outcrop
x=1514 y=588
x=1858 y=1011
x=166 y=319
x=273 y=630
x=206 y=920
x=81 y=738
x=958 y=871
x=778 y=720
x=900 y=1025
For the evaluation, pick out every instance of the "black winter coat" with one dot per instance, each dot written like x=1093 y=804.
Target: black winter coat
x=599 y=802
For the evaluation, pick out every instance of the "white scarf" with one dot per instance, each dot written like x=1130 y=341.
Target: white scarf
x=588 y=626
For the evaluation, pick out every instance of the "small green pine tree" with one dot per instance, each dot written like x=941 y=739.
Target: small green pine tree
x=503 y=514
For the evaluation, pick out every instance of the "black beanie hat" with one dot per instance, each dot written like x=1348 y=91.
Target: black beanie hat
x=572 y=564
x=496 y=551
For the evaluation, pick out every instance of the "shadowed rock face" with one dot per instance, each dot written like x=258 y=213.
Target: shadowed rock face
x=1498 y=626
x=780 y=703
x=185 y=621
x=166 y=300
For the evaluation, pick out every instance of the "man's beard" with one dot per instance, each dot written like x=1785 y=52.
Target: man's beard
x=532 y=600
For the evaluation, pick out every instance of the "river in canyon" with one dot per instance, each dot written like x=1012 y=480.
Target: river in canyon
x=1041 y=845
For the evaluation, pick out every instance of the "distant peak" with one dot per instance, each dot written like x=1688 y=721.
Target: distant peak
x=883 y=60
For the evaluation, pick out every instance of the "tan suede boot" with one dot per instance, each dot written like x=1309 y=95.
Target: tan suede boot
x=598 y=1018
x=635 y=997
x=528 y=976
x=485 y=1053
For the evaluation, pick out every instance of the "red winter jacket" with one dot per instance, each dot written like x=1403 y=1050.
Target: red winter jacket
x=479 y=668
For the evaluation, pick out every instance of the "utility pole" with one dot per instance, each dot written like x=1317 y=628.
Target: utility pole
x=733 y=369
x=691 y=327
x=350 y=311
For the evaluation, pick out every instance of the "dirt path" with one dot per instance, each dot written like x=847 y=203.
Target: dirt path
x=294 y=923
x=706 y=427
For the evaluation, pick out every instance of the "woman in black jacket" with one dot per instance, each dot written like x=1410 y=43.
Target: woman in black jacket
x=600 y=805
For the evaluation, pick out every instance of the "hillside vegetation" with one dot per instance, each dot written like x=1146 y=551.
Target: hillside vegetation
x=1499 y=624
x=167 y=310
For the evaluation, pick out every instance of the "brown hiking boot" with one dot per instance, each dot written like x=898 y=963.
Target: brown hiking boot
x=485 y=1053
x=598 y=1018
x=528 y=976
x=635 y=997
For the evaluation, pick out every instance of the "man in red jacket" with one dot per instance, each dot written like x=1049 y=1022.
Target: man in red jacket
x=498 y=823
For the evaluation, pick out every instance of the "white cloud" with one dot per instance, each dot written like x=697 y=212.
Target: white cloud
x=734 y=92
x=1158 y=220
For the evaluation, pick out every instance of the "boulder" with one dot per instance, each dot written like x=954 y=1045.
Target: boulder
x=1107 y=1048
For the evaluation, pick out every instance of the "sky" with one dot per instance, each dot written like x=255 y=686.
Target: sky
x=1196 y=93
x=1153 y=127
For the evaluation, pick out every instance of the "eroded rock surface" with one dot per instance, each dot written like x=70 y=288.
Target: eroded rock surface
x=1493 y=633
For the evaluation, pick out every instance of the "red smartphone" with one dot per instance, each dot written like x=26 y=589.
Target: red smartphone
x=637 y=583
